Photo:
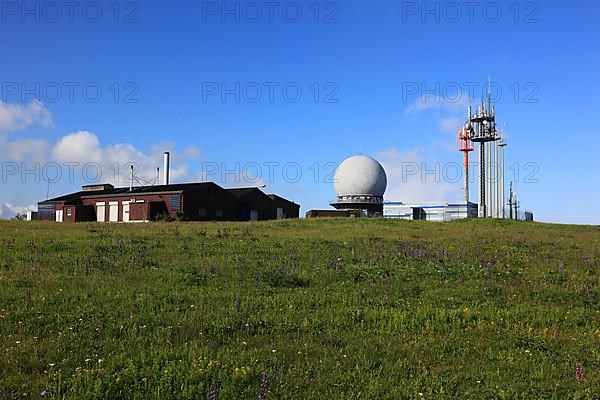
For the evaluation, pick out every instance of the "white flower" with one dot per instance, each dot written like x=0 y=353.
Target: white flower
x=274 y=351
x=51 y=365
x=88 y=360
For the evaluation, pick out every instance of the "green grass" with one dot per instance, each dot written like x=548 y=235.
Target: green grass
x=315 y=309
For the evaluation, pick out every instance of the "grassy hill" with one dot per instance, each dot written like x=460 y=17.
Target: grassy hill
x=307 y=309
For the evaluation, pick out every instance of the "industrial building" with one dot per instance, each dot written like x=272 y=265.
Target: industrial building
x=430 y=211
x=203 y=201
x=200 y=201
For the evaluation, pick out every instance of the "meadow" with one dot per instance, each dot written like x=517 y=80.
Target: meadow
x=303 y=309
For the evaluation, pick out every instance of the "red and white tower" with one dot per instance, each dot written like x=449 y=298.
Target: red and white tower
x=465 y=145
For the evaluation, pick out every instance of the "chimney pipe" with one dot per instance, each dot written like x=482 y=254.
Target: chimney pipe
x=131 y=181
x=166 y=158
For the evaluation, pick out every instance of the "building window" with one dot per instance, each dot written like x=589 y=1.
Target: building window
x=219 y=213
x=69 y=212
x=175 y=203
x=202 y=212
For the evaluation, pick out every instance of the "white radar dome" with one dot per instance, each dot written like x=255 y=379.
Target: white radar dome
x=360 y=175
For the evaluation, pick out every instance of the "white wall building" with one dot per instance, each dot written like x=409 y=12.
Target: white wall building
x=430 y=211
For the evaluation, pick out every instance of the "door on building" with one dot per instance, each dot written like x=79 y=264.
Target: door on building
x=59 y=215
x=100 y=212
x=125 y=211
x=280 y=213
x=253 y=215
x=113 y=211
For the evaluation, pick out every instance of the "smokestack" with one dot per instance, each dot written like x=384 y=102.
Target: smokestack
x=131 y=181
x=166 y=158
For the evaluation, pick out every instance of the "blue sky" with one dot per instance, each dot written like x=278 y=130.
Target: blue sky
x=218 y=83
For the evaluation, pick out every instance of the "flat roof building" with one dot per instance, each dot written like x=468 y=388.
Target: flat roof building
x=430 y=211
x=200 y=201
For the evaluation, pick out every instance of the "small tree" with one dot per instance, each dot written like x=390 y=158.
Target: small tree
x=20 y=217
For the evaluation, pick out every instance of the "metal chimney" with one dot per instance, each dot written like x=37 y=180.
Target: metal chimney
x=166 y=158
x=131 y=180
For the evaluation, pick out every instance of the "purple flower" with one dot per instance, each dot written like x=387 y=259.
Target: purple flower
x=264 y=381
x=212 y=395
x=579 y=373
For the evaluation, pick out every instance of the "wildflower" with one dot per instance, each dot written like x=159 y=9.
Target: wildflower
x=262 y=392
x=579 y=373
x=51 y=364
x=46 y=393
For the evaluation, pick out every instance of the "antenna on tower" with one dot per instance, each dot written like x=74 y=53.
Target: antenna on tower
x=489 y=93
x=483 y=125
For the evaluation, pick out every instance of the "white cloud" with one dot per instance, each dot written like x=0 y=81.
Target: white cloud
x=408 y=180
x=15 y=117
x=450 y=124
x=8 y=211
x=84 y=147
x=23 y=149
x=449 y=114
x=191 y=152
x=79 y=146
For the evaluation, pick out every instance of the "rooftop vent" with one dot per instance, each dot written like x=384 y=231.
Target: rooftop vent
x=97 y=187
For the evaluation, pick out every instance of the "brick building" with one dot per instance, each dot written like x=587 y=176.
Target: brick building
x=204 y=201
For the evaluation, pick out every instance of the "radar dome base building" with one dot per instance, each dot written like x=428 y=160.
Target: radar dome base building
x=360 y=184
